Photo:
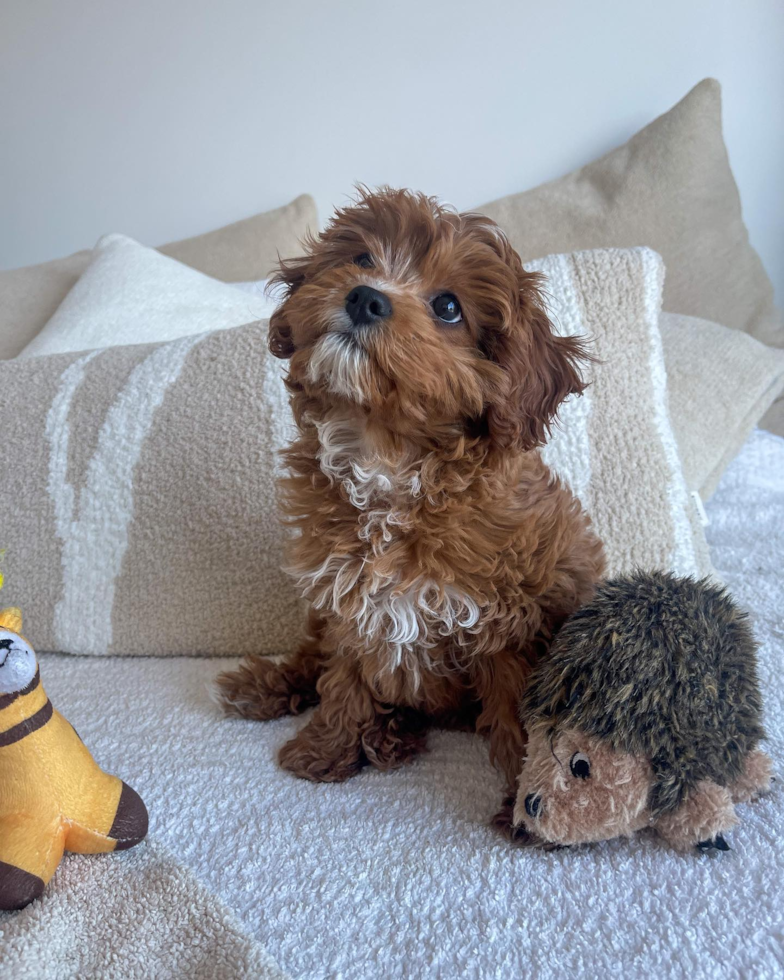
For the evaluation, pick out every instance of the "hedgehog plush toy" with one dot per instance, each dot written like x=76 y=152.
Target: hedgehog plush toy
x=646 y=714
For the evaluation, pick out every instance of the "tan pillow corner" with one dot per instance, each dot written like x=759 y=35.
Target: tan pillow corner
x=249 y=249
x=773 y=419
x=721 y=383
x=30 y=296
x=669 y=187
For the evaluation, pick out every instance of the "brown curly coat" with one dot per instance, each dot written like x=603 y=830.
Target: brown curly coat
x=438 y=552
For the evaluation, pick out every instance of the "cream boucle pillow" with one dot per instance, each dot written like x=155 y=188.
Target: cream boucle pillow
x=130 y=294
x=137 y=483
x=241 y=251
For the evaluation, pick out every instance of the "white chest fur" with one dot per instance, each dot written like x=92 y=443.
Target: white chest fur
x=364 y=583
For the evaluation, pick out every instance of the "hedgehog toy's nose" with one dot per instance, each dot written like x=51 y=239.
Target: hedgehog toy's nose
x=533 y=804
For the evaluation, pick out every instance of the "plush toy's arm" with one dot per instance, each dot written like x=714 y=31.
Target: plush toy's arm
x=10 y=618
x=755 y=778
x=700 y=821
x=30 y=850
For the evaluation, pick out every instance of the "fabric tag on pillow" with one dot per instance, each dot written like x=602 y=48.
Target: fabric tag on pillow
x=704 y=520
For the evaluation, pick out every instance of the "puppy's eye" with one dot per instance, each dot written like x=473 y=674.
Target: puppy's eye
x=447 y=308
x=364 y=261
x=580 y=766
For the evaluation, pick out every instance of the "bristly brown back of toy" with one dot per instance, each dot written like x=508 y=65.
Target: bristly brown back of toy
x=647 y=712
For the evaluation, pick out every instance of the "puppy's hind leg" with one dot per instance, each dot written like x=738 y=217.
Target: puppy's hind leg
x=261 y=688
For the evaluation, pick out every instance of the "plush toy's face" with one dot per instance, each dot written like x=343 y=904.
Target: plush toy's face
x=17 y=662
x=576 y=789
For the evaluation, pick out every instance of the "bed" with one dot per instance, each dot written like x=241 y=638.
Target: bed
x=399 y=875
x=249 y=872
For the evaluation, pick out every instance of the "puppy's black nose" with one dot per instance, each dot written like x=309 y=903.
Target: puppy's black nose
x=365 y=305
x=533 y=803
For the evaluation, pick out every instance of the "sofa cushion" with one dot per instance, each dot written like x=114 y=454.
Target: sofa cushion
x=721 y=383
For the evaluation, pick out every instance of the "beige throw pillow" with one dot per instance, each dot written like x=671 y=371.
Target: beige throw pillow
x=249 y=249
x=721 y=383
x=137 y=498
x=670 y=188
x=241 y=251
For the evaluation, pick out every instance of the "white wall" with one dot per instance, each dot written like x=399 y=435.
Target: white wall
x=163 y=118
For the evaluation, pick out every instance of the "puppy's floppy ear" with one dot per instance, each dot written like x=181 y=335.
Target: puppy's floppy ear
x=542 y=369
x=290 y=275
x=280 y=342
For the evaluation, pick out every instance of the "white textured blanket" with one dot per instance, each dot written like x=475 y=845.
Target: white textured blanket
x=398 y=875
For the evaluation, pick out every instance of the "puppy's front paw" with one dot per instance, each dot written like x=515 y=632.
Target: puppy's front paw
x=503 y=822
x=394 y=738
x=260 y=689
x=319 y=762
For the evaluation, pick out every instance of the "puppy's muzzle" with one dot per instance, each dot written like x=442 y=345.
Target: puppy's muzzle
x=366 y=305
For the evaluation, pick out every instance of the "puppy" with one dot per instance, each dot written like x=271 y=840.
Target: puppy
x=438 y=553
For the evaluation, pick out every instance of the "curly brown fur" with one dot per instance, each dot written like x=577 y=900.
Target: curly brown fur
x=439 y=551
x=662 y=669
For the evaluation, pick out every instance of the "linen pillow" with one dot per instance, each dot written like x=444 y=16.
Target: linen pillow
x=137 y=483
x=241 y=251
x=721 y=382
x=670 y=188
x=130 y=294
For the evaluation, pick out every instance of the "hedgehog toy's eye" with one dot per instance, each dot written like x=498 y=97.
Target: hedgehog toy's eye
x=580 y=766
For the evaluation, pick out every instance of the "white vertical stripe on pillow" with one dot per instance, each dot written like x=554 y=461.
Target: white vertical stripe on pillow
x=683 y=560
x=568 y=451
x=58 y=434
x=94 y=533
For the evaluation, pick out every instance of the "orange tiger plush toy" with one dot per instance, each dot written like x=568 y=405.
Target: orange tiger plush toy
x=53 y=795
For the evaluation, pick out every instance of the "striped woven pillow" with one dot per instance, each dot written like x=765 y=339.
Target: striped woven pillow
x=137 y=483
x=615 y=447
